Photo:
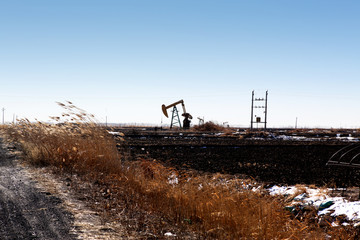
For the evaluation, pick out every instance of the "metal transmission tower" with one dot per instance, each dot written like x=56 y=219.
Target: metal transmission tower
x=263 y=105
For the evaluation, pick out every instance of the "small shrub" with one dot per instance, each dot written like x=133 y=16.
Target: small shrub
x=209 y=127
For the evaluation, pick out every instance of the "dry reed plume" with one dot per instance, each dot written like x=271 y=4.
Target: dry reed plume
x=217 y=206
x=209 y=127
x=75 y=142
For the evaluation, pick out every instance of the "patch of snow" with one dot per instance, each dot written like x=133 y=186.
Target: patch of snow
x=344 y=207
x=169 y=234
x=117 y=133
x=276 y=190
x=284 y=137
x=318 y=198
x=301 y=197
x=114 y=133
x=349 y=138
x=173 y=180
x=335 y=224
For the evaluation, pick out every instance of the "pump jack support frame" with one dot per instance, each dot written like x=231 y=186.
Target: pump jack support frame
x=175 y=117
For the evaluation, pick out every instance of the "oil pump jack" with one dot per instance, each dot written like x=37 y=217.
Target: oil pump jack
x=175 y=119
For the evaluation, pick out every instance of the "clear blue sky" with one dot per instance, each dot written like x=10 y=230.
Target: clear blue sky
x=124 y=59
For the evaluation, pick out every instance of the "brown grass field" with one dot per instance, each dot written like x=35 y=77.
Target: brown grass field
x=213 y=206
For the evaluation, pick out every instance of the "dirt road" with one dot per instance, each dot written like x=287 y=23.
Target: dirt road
x=25 y=211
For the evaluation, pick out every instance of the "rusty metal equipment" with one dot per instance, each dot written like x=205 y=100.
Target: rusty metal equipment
x=348 y=156
x=175 y=119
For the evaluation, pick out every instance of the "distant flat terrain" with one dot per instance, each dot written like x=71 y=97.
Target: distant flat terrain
x=277 y=156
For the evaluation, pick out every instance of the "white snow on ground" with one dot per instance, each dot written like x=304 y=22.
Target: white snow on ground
x=276 y=190
x=344 y=207
x=113 y=133
x=173 y=179
x=350 y=139
x=169 y=234
x=318 y=198
x=116 y=133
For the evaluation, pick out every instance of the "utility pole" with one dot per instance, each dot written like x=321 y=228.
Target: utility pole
x=266 y=109
x=3 y=110
x=252 y=110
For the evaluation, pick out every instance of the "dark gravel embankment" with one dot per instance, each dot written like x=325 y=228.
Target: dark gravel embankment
x=267 y=160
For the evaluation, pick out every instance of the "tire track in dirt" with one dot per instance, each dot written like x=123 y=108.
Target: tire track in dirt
x=25 y=211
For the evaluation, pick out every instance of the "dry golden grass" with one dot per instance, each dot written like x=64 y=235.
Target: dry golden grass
x=217 y=206
x=74 y=142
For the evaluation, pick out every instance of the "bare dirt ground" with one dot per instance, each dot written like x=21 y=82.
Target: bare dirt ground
x=42 y=203
x=87 y=223
x=35 y=204
x=26 y=212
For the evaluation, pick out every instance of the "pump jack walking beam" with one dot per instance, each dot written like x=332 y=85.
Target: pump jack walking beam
x=175 y=115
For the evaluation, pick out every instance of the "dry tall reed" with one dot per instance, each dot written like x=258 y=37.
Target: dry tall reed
x=209 y=127
x=73 y=142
